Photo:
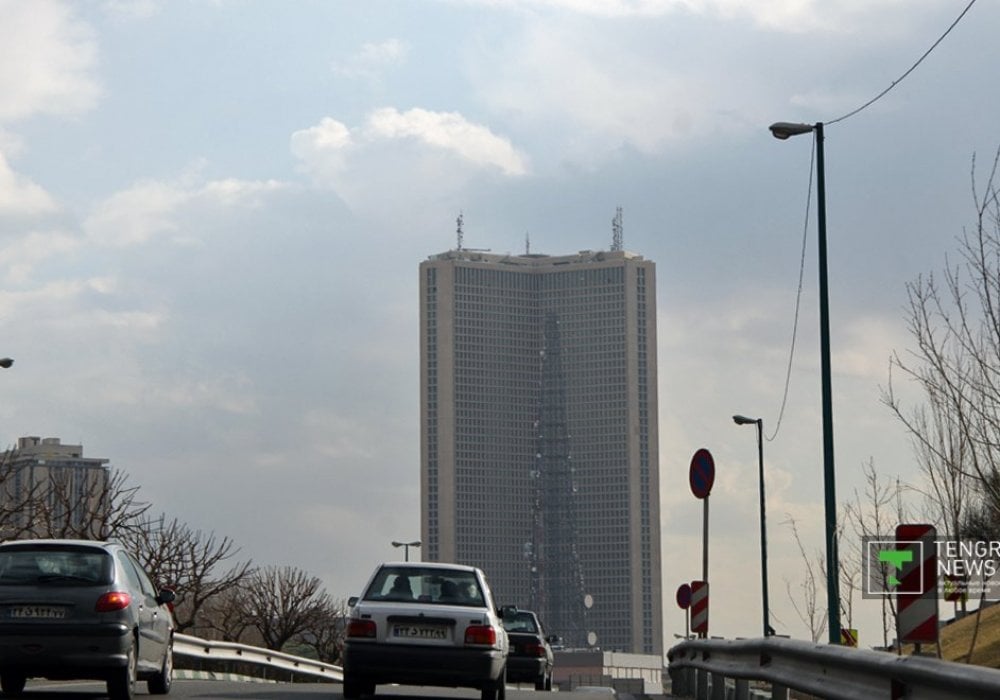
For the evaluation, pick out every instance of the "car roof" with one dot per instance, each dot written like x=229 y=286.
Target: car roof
x=96 y=544
x=430 y=565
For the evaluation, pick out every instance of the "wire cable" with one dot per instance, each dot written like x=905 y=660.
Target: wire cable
x=798 y=299
x=900 y=79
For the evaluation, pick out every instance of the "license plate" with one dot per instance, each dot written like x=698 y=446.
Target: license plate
x=37 y=612
x=419 y=632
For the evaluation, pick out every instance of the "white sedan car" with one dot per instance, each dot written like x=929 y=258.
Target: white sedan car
x=425 y=624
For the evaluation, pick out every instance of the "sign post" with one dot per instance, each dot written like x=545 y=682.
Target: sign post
x=701 y=477
x=684 y=603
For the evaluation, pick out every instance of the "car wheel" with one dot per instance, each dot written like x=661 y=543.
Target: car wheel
x=352 y=688
x=121 y=685
x=543 y=682
x=497 y=689
x=12 y=683
x=161 y=682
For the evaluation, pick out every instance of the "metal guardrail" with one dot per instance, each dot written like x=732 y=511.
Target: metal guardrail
x=827 y=671
x=186 y=645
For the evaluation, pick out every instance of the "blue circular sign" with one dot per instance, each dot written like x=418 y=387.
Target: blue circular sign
x=702 y=473
x=684 y=596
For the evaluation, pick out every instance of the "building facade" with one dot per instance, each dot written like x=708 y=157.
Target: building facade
x=539 y=447
x=49 y=489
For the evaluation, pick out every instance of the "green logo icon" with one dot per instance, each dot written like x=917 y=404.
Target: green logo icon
x=895 y=558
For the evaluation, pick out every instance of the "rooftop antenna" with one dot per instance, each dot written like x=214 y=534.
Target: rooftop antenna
x=527 y=243
x=459 y=230
x=616 y=230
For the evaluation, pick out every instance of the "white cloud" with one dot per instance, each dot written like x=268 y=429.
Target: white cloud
x=449 y=131
x=47 y=57
x=418 y=156
x=146 y=210
x=373 y=59
x=324 y=147
x=20 y=257
x=21 y=196
x=781 y=15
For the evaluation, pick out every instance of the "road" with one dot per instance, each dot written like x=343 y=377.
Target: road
x=222 y=690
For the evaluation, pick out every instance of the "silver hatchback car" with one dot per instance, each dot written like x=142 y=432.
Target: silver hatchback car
x=79 y=609
x=425 y=624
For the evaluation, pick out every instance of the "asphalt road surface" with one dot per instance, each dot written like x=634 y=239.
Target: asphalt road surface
x=223 y=690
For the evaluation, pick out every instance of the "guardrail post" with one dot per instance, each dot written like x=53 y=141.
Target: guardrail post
x=742 y=689
x=718 y=686
x=684 y=682
x=779 y=692
x=701 y=691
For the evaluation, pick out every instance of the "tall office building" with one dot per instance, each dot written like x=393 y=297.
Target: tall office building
x=49 y=489
x=539 y=448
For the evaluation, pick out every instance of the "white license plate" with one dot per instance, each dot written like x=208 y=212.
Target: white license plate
x=37 y=612
x=419 y=632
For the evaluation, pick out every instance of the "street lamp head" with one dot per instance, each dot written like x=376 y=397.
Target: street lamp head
x=406 y=544
x=743 y=420
x=782 y=130
x=6 y=362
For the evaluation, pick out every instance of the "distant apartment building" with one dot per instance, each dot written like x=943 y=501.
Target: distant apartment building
x=539 y=444
x=47 y=487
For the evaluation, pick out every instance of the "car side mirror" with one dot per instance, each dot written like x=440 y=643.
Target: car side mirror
x=352 y=601
x=165 y=597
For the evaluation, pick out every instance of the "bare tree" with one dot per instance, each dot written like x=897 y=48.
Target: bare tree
x=874 y=514
x=283 y=602
x=955 y=324
x=326 y=631
x=191 y=562
x=807 y=601
x=89 y=504
x=16 y=500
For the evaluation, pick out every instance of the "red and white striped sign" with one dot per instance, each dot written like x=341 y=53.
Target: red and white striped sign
x=916 y=594
x=699 y=607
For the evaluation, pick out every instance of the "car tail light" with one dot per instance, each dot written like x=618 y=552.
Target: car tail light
x=115 y=600
x=480 y=634
x=361 y=628
x=533 y=649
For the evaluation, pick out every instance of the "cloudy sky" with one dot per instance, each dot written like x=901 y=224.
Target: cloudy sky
x=212 y=213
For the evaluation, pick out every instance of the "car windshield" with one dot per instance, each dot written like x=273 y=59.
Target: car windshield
x=24 y=565
x=420 y=585
x=520 y=622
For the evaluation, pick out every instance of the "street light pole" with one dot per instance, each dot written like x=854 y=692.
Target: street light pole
x=783 y=130
x=406 y=547
x=743 y=420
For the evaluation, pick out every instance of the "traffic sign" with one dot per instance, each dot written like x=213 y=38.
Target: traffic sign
x=699 y=607
x=683 y=596
x=848 y=637
x=702 y=473
x=916 y=592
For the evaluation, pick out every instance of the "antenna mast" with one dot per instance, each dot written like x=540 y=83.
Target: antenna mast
x=616 y=230
x=459 y=230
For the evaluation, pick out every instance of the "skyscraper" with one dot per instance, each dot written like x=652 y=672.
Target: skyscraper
x=539 y=448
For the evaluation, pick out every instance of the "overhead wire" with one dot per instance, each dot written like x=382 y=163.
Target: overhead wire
x=812 y=160
x=900 y=79
x=798 y=298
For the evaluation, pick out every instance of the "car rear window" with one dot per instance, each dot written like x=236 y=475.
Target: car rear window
x=54 y=564
x=418 y=585
x=520 y=622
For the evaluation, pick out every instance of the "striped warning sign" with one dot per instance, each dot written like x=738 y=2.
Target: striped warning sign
x=848 y=637
x=916 y=589
x=699 y=607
